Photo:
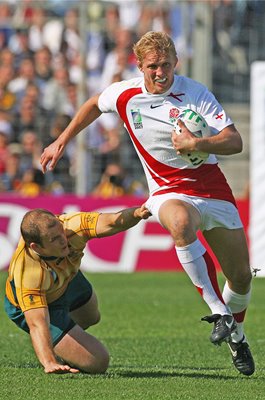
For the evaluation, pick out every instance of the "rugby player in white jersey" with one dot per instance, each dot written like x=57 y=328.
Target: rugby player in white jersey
x=184 y=198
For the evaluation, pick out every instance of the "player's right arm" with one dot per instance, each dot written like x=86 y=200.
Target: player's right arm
x=38 y=323
x=87 y=113
x=109 y=224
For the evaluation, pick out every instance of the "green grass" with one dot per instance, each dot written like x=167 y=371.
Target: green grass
x=159 y=348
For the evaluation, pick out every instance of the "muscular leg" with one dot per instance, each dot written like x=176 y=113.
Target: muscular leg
x=79 y=348
x=231 y=250
x=88 y=314
x=182 y=220
x=83 y=351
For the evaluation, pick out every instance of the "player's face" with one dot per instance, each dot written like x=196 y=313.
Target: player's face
x=54 y=242
x=158 y=70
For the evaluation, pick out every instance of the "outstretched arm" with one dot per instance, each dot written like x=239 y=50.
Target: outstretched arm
x=87 y=113
x=38 y=323
x=110 y=223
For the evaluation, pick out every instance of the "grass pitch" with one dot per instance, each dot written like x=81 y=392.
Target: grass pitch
x=160 y=350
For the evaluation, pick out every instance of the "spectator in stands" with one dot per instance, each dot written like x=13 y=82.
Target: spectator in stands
x=232 y=53
x=103 y=144
x=31 y=149
x=25 y=118
x=6 y=29
x=71 y=41
x=36 y=28
x=11 y=178
x=7 y=58
x=121 y=59
x=25 y=75
x=19 y=45
x=55 y=91
x=72 y=97
x=115 y=182
x=153 y=17
x=6 y=125
x=43 y=66
x=32 y=183
x=111 y=184
x=7 y=98
x=32 y=93
x=4 y=152
x=112 y=21
x=62 y=179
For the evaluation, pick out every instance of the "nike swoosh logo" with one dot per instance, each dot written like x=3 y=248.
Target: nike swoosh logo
x=159 y=105
x=229 y=324
x=233 y=352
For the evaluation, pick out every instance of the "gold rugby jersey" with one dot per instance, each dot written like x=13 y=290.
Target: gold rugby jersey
x=36 y=281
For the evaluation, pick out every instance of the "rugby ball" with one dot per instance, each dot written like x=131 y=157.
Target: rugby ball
x=197 y=125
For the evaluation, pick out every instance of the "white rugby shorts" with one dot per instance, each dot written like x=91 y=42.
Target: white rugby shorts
x=214 y=213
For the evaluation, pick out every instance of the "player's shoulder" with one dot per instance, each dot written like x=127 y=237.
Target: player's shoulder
x=79 y=221
x=25 y=266
x=108 y=98
x=127 y=84
x=187 y=83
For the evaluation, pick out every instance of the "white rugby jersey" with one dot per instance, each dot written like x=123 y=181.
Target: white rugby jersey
x=149 y=120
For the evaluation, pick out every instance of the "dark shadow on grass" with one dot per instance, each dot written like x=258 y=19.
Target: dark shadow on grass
x=160 y=374
x=178 y=371
x=120 y=371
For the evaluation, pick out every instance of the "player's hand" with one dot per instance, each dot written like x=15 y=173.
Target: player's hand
x=142 y=212
x=183 y=141
x=56 y=368
x=51 y=155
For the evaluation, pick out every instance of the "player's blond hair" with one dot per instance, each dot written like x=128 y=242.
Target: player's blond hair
x=158 y=42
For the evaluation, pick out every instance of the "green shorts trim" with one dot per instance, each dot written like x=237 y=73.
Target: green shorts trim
x=77 y=294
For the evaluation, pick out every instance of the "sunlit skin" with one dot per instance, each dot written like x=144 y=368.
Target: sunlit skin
x=158 y=70
x=54 y=242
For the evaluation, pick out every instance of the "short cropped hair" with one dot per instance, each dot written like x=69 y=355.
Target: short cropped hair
x=35 y=223
x=158 y=42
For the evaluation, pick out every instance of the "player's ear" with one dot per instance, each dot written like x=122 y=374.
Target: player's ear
x=35 y=247
x=140 y=66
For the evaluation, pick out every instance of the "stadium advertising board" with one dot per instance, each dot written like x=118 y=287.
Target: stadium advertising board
x=147 y=246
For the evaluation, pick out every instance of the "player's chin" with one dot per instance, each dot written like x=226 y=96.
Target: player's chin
x=161 y=87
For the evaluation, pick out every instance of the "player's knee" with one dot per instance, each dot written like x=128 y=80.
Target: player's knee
x=241 y=280
x=96 y=318
x=103 y=363
x=246 y=278
x=92 y=319
x=99 y=365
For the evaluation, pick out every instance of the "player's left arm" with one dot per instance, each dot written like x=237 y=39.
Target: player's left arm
x=228 y=141
x=110 y=223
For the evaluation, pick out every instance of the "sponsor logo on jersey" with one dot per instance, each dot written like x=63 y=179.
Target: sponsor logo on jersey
x=137 y=119
x=173 y=114
x=160 y=105
x=155 y=106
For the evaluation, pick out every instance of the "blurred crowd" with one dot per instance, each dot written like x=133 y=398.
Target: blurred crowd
x=43 y=62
